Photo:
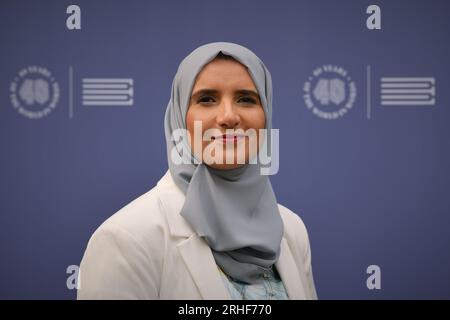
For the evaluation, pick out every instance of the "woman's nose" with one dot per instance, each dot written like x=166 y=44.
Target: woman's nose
x=227 y=116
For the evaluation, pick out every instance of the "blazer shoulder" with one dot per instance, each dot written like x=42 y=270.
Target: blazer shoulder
x=141 y=219
x=291 y=220
x=124 y=256
x=295 y=230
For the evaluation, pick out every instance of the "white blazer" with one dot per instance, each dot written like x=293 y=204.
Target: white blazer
x=147 y=250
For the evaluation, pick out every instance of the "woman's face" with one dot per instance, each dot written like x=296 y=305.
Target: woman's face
x=224 y=99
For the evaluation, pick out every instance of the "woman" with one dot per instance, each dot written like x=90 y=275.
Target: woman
x=211 y=228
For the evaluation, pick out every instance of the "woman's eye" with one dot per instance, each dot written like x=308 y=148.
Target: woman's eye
x=205 y=100
x=209 y=100
x=247 y=100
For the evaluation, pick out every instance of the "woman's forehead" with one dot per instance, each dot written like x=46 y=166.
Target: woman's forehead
x=224 y=74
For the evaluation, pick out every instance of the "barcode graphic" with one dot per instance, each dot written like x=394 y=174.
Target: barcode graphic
x=107 y=92
x=412 y=91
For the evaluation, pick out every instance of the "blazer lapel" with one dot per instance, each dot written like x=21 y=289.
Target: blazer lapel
x=289 y=273
x=194 y=250
x=201 y=264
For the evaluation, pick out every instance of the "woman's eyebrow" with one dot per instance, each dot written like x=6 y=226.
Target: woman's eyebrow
x=205 y=91
x=215 y=92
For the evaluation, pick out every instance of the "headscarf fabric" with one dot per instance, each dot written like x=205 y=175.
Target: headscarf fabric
x=234 y=210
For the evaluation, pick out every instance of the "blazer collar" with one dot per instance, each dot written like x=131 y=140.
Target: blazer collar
x=198 y=256
x=289 y=274
x=172 y=200
x=195 y=252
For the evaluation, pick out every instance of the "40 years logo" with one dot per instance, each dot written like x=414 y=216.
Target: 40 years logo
x=34 y=92
x=329 y=92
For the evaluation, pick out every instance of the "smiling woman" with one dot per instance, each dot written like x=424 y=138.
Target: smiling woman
x=207 y=230
x=225 y=99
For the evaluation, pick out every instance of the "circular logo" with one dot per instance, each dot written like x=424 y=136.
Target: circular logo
x=34 y=92
x=329 y=92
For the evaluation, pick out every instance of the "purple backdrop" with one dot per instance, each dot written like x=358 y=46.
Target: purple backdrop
x=371 y=189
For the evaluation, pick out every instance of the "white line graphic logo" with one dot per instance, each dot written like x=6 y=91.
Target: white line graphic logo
x=408 y=91
x=107 y=92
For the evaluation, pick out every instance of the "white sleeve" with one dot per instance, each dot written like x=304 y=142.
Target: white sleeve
x=116 y=266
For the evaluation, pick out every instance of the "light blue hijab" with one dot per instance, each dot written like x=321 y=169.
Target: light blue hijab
x=234 y=210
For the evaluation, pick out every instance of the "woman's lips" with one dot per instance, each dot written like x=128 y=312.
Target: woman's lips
x=229 y=138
